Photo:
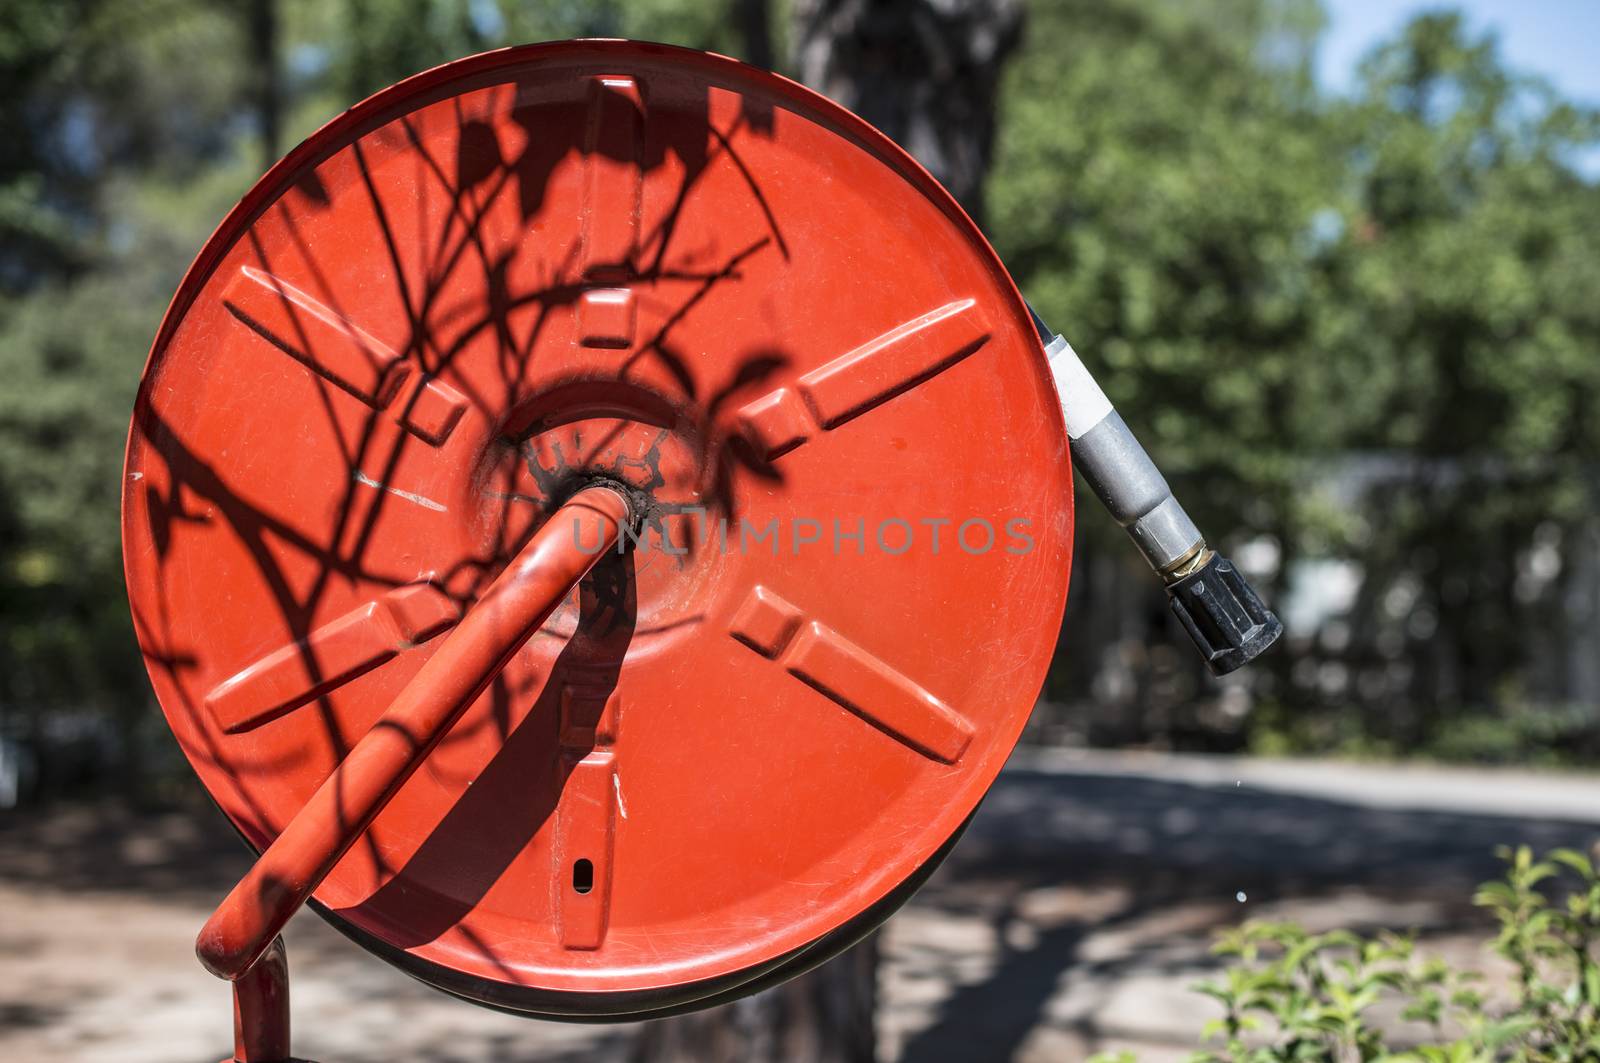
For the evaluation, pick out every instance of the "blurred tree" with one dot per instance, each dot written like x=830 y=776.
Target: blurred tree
x=1464 y=317
x=109 y=108
x=1347 y=329
x=384 y=41
x=263 y=30
x=824 y=1016
x=89 y=91
x=927 y=73
x=1160 y=176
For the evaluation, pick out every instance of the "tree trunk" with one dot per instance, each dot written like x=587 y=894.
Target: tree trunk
x=263 y=34
x=754 y=18
x=825 y=1016
x=926 y=72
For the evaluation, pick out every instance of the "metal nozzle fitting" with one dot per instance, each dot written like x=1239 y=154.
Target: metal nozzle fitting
x=1217 y=607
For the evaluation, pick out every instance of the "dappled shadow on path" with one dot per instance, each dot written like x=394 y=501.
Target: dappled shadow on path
x=1138 y=863
x=1074 y=882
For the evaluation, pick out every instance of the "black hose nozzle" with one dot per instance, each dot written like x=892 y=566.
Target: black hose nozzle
x=1226 y=619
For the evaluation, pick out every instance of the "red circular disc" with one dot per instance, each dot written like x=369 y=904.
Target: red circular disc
x=502 y=279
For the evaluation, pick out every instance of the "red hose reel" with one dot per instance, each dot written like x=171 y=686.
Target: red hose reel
x=434 y=364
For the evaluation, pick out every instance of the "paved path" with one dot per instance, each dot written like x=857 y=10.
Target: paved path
x=1071 y=918
x=1418 y=787
x=1082 y=905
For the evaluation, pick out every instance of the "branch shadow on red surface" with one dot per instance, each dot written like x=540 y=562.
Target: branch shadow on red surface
x=335 y=546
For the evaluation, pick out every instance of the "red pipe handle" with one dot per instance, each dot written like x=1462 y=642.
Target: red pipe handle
x=261 y=1009
x=519 y=600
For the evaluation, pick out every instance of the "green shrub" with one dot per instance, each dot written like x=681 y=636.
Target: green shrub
x=1291 y=996
x=1513 y=731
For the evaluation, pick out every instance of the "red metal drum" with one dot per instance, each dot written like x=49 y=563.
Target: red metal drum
x=745 y=739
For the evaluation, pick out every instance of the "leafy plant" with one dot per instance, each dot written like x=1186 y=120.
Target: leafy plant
x=1291 y=996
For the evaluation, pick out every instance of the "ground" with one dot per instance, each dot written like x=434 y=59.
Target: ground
x=1072 y=917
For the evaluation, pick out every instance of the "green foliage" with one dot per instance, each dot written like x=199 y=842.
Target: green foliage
x=92 y=91
x=71 y=368
x=1297 y=996
x=1464 y=318
x=1517 y=733
x=361 y=46
x=1552 y=948
x=1290 y=996
x=1359 y=328
x=1155 y=191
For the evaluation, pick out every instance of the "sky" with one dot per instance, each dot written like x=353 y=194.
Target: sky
x=1556 y=39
